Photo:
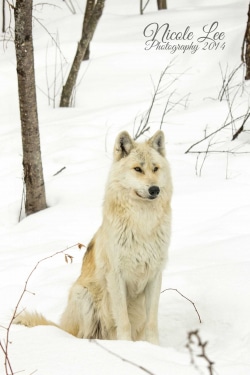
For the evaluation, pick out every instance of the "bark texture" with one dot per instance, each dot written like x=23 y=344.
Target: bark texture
x=87 y=34
x=162 y=4
x=3 y=16
x=32 y=163
x=90 y=5
x=246 y=47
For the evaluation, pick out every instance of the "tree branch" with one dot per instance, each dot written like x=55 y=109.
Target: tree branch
x=214 y=132
x=5 y=346
x=176 y=290
x=202 y=346
x=122 y=358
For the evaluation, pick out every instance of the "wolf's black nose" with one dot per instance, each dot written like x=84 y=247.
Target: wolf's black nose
x=154 y=191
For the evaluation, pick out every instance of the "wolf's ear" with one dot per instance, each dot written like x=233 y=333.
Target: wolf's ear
x=123 y=145
x=158 y=142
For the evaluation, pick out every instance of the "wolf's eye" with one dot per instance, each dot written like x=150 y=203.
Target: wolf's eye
x=138 y=169
x=155 y=169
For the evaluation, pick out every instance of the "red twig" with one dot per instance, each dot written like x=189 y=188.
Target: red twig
x=5 y=346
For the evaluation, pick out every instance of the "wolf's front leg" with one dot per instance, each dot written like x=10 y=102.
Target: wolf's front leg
x=152 y=294
x=118 y=297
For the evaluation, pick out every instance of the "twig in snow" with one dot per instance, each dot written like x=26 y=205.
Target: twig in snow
x=22 y=202
x=171 y=105
x=54 y=88
x=176 y=290
x=160 y=93
x=70 y=6
x=145 y=119
x=60 y=170
x=143 y=7
x=122 y=358
x=212 y=133
x=54 y=40
x=226 y=80
x=230 y=91
x=5 y=345
x=240 y=130
x=191 y=345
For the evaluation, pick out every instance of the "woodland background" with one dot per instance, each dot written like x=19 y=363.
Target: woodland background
x=201 y=101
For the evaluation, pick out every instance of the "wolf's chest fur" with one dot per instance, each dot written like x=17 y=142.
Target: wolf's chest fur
x=140 y=264
x=141 y=253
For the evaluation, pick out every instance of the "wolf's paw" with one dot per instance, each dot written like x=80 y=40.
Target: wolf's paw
x=124 y=332
x=152 y=336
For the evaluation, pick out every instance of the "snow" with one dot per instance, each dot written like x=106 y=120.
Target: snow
x=209 y=257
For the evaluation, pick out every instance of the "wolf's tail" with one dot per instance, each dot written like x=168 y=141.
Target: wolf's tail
x=32 y=319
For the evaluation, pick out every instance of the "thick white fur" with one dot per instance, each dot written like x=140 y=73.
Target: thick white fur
x=117 y=294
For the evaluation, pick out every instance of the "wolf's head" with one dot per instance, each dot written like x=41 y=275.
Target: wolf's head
x=140 y=170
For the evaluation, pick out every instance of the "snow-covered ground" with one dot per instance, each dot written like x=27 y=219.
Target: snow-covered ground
x=209 y=259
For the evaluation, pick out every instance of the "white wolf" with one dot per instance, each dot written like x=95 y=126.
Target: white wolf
x=117 y=294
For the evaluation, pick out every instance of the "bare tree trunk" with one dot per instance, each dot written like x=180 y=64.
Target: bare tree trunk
x=32 y=163
x=141 y=7
x=88 y=12
x=3 y=16
x=162 y=4
x=245 y=56
x=87 y=34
